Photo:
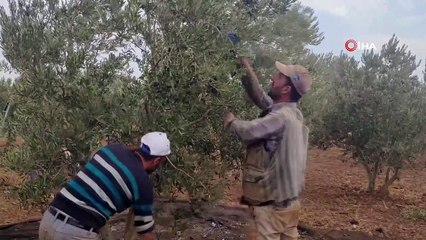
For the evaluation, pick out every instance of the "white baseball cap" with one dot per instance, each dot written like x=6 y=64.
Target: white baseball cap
x=156 y=144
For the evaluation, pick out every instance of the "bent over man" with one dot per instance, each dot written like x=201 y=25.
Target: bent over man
x=277 y=144
x=115 y=179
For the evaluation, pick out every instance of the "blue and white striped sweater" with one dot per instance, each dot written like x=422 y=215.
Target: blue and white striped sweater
x=111 y=182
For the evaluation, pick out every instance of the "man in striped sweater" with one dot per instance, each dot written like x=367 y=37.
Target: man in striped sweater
x=115 y=179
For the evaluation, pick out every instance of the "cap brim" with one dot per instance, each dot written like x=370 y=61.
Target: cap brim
x=292 y=72
x=285 y=69
x=165 y=154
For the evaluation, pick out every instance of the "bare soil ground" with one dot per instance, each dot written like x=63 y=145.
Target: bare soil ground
x=335 y=202
x=335 y=198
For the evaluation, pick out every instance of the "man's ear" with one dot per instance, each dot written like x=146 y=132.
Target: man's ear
x=286 y=89
x=157 y=160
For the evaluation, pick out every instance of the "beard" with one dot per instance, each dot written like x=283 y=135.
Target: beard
x=274 y=94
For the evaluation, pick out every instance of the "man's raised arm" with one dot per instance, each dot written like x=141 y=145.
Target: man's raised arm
x=252 y=86
x=255 y=130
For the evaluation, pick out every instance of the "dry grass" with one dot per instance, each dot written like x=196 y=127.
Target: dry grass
x=9 y=178
x=415 y=214
x=10 y=209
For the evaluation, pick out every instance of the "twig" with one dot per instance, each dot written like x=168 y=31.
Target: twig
x=200 y=119
x=307 y=199
x=212 y=219
x=357 y=211
x=185 y=173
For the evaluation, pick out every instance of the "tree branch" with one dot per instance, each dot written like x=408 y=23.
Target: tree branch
x=366 y=167
x=376 y=168
x=387 y=174
x=388 y=181
x=395 y=176
x=198 y=120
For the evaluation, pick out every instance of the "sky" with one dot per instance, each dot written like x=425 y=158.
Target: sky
x=368 y=22
x=371 y=22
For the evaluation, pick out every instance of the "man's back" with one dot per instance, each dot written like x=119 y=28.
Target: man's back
x=112 y=181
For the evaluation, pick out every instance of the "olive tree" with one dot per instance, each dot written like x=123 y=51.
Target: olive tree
x=378 y=111
x=192 y=78
x=73 y=88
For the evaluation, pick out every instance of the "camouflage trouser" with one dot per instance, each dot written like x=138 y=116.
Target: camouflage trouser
x=275 y=223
